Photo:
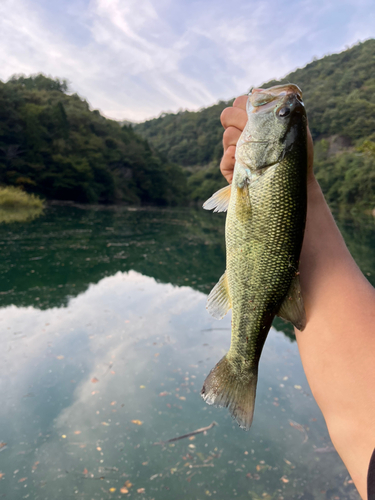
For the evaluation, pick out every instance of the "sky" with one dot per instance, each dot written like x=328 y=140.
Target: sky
x=134 y=59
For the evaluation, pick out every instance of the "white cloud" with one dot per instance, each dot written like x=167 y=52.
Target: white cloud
x=137 y=58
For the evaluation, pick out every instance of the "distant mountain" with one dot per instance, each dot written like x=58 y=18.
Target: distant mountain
x=339 y=94
x=52 y=144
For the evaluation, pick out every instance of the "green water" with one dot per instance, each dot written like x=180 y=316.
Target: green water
x=103 y=322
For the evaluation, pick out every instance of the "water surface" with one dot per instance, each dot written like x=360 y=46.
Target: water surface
x=106 y=343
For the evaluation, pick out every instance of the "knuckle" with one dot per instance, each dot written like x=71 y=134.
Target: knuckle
x=228 y=159
x=227 y=135
x=240 y=101
x=223 y=167
x=230 y=137
x=231 y=151
x=224 y=116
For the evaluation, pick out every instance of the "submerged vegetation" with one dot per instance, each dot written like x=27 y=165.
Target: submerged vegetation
x=52 y=144
x=18 y=206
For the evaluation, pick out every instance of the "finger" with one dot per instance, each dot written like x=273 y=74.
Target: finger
x=230 y=137
x=227 y=163
x=233 y=117
x=233 y=120
x=240 y=102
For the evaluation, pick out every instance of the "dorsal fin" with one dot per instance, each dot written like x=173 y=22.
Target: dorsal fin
x=219 y=201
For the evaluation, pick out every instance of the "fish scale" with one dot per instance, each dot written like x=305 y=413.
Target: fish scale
x=265 y=223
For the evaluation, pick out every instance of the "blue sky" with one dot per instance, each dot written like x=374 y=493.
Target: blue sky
x=134 y=59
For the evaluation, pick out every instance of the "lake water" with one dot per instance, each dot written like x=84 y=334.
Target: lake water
x=105 y=345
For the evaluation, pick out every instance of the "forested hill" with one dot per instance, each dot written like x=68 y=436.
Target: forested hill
x=339 y=94
x=52 y=144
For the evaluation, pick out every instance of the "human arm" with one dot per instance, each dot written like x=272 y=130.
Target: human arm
x=337 y=347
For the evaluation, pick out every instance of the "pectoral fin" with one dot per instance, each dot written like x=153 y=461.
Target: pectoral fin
x=219 y=201
x=292 y=308
x=218 y=302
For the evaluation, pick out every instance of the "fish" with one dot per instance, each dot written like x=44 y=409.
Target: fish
x=266 y=214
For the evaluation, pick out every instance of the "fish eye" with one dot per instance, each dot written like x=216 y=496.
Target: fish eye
x=284 y=112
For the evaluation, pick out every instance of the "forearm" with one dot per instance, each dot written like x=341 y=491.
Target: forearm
x=338 y=345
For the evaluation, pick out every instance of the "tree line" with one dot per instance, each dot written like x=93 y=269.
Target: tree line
x=52 y=144
x=339 y=95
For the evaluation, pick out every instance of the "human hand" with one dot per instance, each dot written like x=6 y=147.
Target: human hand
x=234 y=120
x=338 y=342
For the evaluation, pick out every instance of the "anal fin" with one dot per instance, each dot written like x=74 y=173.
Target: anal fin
x=292 y=309
x=219 y=201
x=218 y=302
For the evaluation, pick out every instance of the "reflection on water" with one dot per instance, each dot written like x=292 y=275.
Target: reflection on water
x=131 y=349
x=99 y=362
x=8 y=215
x=60 y=254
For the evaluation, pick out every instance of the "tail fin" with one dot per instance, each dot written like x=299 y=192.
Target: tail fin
x=224 y=387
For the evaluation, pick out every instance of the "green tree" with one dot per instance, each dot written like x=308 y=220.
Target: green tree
x=52 y=144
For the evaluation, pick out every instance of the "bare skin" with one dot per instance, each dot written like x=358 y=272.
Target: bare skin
x=337 y=347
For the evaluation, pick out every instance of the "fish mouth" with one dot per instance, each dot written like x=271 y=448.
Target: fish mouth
x=264 y=100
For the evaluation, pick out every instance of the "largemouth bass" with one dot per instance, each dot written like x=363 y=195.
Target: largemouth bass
x=265 y=223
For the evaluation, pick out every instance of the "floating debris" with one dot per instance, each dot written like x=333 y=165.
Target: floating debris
x=137 y=422
x=200 y=465
x=193 y=433
x=301 y=429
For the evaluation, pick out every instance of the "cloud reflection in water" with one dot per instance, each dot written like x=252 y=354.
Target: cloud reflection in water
x=131 y=349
